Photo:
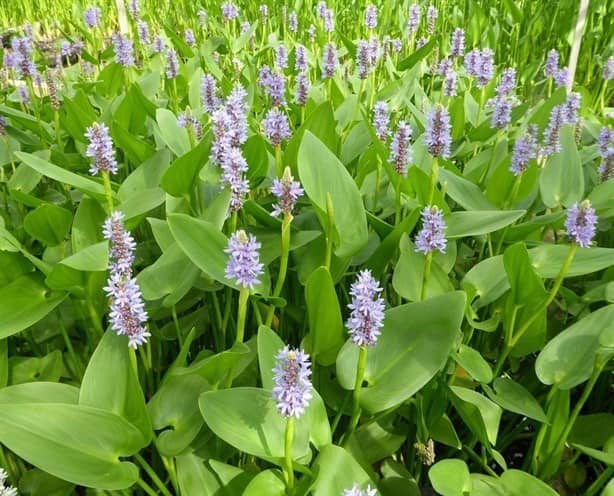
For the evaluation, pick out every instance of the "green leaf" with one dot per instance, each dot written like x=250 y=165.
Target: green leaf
x=592 y=430
x=415 y=343
x=326 y=331
x=450 y=478
x=269 y=482
x=475 y=223
x=40 y=392
x=110 y=383
x=519 y=483
x=473 y=363
x=175 y=137
x=336 y=471
x=80 y=444
x=52 y=171
x=28 y=369
x=197 y=477
x=323 y=174
x=562 y=179
x=24 y=302
x=35 y=482
x=602 y=456
x=48 y=223
x=568 y=359
x=513 y=397
x=480 y=414
x=178 y=180
x=419 y=54
x=76 y=115
x=464 y=192
x=91 y=259
x=443 y=431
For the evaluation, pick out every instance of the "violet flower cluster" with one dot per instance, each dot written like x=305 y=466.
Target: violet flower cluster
x=292 y=390
x=208 y=93
x=608 y=69
x=287 y=191
x=172 y=64
x=525 y=149
x=274 y=85
x=552 y=70
x=431 y=237
x=92 y=17
x=566 y=113
x=21 y=59
x=300 y=59
x=302 y=89
x=381 y=120
x=413 y=23
x=605 y=141
x=446 y=69
x=400 y=149
x=293 y=22
x=124 y=51
x=480 y=64
x=457 y=44
x=276 y=126
x=367 y=310
x=281 y=57
x=243 y=265
x=142 y=29
x=229 y=11
x=330 y=61
x=437 y=135
x=371 y=16
x=128 y=313
x=100 y=149
x=581 y=223
x=431 y=18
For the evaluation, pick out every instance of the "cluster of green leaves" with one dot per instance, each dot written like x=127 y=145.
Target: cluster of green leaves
x=497 y=351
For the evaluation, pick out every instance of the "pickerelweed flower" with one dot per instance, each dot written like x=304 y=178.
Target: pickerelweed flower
x=356 y=491
x=128 y=313
x=561 y=77
x=437 y=134
x=371 y=16
x=486 y=67
x=124 y=51
x=281 y=56
x=66 y=49
x=321 y=9
x=276 y=126
x=374 y=51
x=208 y=93
x=457 y=44
x=502 y=111
x=274 y=86
x=413 y=23
x=287 y=191
x=293 y=22
x=100 y=149
x=431 y=237
x=397 y=45
x=552 y=63
x=6 y=490
x=605 y=141
x=77 y=47
x=431 y=18
x=445 y=65
x=22 y=61
x=525 y=149
x=134 y=8
x=300 y=59
x=188 y=121
x=608 y=69
x=581 y=223
x=142 y=29
x=450 y=83
x=302 y=89
x=189 y=37
x=158 y=44
x=363 y=60
x=172 y=64
x=202 y=17
x=52 y=89
x=400 y=149
x=508 y=82
x=472 y=62
x=237 y=112
x=330 y=61
x=381 y=120
x=292 y=390
x=329 y=21
x=234 y=166
x=571 y=107
x=552 y=134
x=229 y=11
x=311 y=32
x=264 y=13
x=367 y=310
x=245 y=26
x=92 y=16
x=243 y=265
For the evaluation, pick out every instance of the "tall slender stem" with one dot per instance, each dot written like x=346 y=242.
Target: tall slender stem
x=283 y=264
x=152 y=474
x=434 y=179
x=108 y=191
x=427 y=272
x=243 y=297
x=288 y=468
x=360 y=374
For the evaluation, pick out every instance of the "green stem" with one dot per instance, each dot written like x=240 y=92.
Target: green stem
x=152 y=474
x=243 y=297
x=434 y=179
x=330 y=231
x=605 y=477
x=288 y=469
x=108 y=191
x=378 y=178
x=360 y=374
x=397 y=201
x=427 y=273
x=146 y=487
x=279 y=166
x=283 y=264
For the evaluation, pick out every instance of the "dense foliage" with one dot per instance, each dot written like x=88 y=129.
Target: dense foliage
x=341 y=249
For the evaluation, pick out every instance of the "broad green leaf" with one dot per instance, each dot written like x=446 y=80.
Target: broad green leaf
x=29 y=369
x=464 y=192
x=175 y=137
x=419 y=54
x=519 y=483
x=602 y=456
x=462 y=224
x=415 y=343
x=337 y=470
x=92 y=258
x=326 y=331
x=513 y=397
x=321 y=123
x=111 y=382
x=24 y=302
x=451 y=478
x=480 y=414
x=269 y=482
x=592 y=430
x=473 y=363
x=178 y=180
x=322 y=174
x=35 y=482
x=48 y=223
x=568 y=359
x=40 y=392
x=198 y=477
x=548 y=457
x=80 y=444
x=442 y=430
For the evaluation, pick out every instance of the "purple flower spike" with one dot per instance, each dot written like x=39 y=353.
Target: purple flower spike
x=552 y=133
x=124 y=52
x=437 y=135
x=330 y=62
x=229 y=11
x=552 y=63
x=561 y=77
x=400 y=150
x=321 y=9
x=143 y=31
x=414 y=19
x=134 y=8
x=371 y=17
x=581 y=223
x=508 y=82
x=292 y=390
x=450 y=83
x=608 y=69
x=571 y=107
x=605 y=142
x=276 y=127
x=287 y=191
x=472 y=62
x=264 y=13
x=381 y=120
x=100 y=149
x=329 y=21
x=431 y=237
x=208 y=93
x=431 y=19
x=243 y=265
x=525 y=149
x=300 y=59
x=189 y=37
x=281 y=57
x=457 y=46
x=302 y=89
x=121 y=253
x=367 y=310
x=293 y=22
x=158 y=44
x=502 y=112
x=233 y=167
x=92 y=16
x=172 y=64
x=363 y=59
x=24 y=94
x=486 y=68
x=356 y=491
x=22 y=60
